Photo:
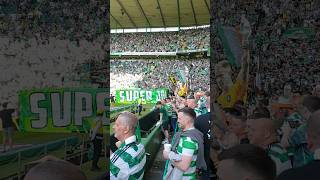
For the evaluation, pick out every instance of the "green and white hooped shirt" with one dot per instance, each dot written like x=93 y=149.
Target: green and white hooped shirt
x=280 y=156
x=188 y=147
x=128 y=161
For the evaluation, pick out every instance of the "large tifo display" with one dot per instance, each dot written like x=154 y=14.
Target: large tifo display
x=129 y=96
x=62 y=110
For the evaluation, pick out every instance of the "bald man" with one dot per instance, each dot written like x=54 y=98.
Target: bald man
x=262 y=132
x=311 y=170
x=55 y=169
x=128 y=161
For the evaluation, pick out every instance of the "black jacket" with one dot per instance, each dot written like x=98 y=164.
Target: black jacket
x=310 y=171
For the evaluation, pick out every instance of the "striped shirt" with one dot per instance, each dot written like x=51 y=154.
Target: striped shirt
x=280 y=157
x=128 y=161
x=188 y=147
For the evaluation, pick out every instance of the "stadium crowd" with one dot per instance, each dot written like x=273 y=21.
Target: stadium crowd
x=192 y=39
x=293 y=59
x=154 y=73
x=37 y=36
x=73 y=20
x=50 y=44
x=281 y=114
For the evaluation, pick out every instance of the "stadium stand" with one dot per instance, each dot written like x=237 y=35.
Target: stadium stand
x=283 y=73
x=194 y=39
x=49 y=44
x=154 y=73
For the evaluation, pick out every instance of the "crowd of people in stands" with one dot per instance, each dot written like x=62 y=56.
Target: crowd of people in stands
x=293 y=59
x=50 y=44
x=162 y=73
x=278 y=122
x=37 y=36
x=155 y=73
x=73 y=20
x=192 y=39
x=32 y=65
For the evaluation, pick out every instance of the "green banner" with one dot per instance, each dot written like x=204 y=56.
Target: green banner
x=130 y=96
x=63 y=110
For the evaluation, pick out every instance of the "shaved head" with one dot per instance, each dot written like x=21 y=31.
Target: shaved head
x=261 y=131
x=53 y=170
x=265 y=123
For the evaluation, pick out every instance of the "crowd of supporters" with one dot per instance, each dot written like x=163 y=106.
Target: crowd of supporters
x=281 y=114
x=47 y=44
x=192 y=39
x=154 y=73
x=293 y=60
x=50 y=44
x=73 y=20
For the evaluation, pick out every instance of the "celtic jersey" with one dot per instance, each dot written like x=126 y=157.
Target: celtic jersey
x=280 y=157
x=128 y=161
x=188 y=147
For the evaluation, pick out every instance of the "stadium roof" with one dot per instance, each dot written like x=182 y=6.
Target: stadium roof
x=158 y=13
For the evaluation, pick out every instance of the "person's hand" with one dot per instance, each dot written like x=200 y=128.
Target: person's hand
x=286 y=129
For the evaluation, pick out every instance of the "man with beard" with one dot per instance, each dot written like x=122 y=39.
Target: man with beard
x=186 y=153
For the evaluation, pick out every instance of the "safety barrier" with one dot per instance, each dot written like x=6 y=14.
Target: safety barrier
x=21 y=155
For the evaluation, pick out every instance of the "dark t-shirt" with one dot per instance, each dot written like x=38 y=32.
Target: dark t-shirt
x=6 y=117
x=202 y=123
x=309 y=171
x=244 y=141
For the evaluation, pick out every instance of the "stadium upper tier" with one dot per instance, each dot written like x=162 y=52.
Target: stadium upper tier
x=72 y=20
x=193 y=39
x=47 y=44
